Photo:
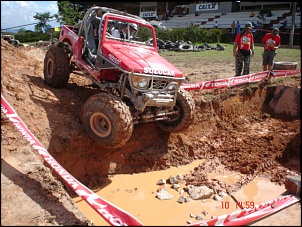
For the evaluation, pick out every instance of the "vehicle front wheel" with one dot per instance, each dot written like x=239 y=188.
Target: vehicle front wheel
x=108 y=120
x=184 y=116
x=56 y=67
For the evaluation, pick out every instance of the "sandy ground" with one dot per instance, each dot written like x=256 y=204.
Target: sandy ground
x=238 y=129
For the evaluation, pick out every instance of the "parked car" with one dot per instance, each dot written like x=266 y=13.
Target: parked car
x=158 y=24
x=11 y=40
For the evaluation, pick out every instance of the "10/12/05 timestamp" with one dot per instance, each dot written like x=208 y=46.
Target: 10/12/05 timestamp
x=238 y=205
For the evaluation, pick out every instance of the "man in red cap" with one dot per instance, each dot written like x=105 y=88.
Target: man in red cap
x=271 y=41
x=243 y=49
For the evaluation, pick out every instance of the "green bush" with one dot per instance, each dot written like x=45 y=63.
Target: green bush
x=193 y=34
x=28 y=37
x=31 y=36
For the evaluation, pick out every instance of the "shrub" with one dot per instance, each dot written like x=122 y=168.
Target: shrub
x=193 y=34
x=31 y=36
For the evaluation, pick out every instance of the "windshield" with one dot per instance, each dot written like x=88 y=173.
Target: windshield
x=130 y=31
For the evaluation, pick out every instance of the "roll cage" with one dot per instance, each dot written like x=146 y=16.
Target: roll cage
x=97 y=19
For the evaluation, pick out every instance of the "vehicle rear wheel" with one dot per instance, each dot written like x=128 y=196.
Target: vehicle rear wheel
x=185 y=108
x=108 y=120
x=56 y=67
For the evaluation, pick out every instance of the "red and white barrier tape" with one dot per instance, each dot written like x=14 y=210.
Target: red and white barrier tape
x=112 y=214
x=239 y=80
x=245 y=216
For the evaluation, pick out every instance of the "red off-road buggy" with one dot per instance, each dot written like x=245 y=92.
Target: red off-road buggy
x=136 y=85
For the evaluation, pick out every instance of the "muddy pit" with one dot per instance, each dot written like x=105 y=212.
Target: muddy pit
x=238 y=129
x=253 y=130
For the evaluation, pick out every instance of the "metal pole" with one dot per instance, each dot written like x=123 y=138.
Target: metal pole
x=292 y=26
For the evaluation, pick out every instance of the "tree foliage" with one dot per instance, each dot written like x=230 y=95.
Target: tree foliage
x=43 y=18
x=70 y=13
x=21 y=30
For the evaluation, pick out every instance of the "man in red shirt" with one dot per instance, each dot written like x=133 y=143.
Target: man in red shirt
x=243 y=49
x=271 y=41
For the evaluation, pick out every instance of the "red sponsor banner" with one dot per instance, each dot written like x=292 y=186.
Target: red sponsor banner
x=292 y=72
x=112 y=214
x=255 y=77
x=239 y=80
x=220 y=83
x=280 y=73
x=193 y=86
x=245 y=216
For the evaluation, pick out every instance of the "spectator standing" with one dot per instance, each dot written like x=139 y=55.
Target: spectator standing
x=181 y=12
x=216 y=24
x=284 y=24
x=243 y=49
x=233 y=26
x=254 y=24
x=167 y=14
x=259 y=24
x=238 y=27
x=271 y=41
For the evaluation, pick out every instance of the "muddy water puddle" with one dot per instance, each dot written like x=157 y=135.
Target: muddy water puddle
x=136 y=194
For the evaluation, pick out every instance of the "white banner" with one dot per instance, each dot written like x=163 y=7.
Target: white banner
x=148 y=14
x=207 y=6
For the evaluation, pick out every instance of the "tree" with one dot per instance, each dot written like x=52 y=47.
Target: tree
x=21 y=30
x=69 y=13
x=43 y=19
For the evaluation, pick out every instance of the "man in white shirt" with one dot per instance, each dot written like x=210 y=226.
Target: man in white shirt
x=123 y=32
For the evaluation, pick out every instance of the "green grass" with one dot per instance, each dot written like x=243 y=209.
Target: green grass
x=283 y=54
x=30 y=43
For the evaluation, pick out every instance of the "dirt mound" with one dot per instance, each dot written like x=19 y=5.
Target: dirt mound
x=237 y=128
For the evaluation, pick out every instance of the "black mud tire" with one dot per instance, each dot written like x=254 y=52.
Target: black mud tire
x=185 y=47
x=56 y=67
x=185 y=106
x=287 y=65
x=16 y=43
x=108 y=121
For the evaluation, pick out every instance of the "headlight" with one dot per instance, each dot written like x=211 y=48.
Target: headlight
x=140 y=82
x=171 y=87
